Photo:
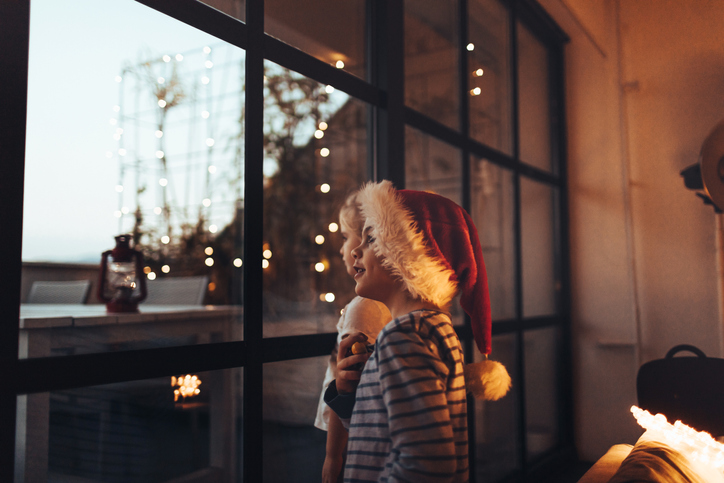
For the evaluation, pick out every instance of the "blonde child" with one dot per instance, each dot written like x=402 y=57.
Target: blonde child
x=361 y=315
x=407 y=411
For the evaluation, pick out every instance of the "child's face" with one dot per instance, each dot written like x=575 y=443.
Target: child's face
x=351 y=240
x=373 y=280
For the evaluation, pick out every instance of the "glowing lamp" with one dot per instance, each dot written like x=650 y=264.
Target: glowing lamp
x=120 y=275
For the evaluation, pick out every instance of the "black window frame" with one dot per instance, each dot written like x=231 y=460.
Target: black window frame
x=383 y=90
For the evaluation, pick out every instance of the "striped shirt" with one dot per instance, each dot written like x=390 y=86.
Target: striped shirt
x=409 y=422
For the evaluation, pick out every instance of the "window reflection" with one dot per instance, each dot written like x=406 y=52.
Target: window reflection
x=491 y=199
x=132 y=431
x=431 y=59
x=315 y=155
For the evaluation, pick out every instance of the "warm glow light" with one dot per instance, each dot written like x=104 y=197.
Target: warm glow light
x=324 y=188
x=167 y=58
x=121 y=152
x=319 y=134
x=237 y=262
x=112 y=121
x=163 y=181
x=265 y=263
x=165 y=269
x=211 y=286
x=267 y=253
x=119 y=130
x=323 y=126
x=204 y=80
x=157 y=210
x=329 y=89
x=116 y=108
x=117 y=137
x=329 y=297
x=125 y=210
x=159 y=134
x=206 y=202
x=209 y=262
x=319 y=239
x=697 y=445
x=205 y=114
x=117 y=213
x=160 y=80
x=119 y=78
x=146 y=270
x=471 y=47
x=475 y=92
x=188 y=386
x=333 y=227
x=165 y=239
x=478 y=73
x=151 y=276
x=160 y=154
x=339 y=64
x=212 y=169
x=209 y=142
x=319 y=266
x=324 y=152
x=179 y=57
x=207 y=50
x=208 y=64
x=119 y=188
x=209 y=251
x=213 y=228
x=161 y=103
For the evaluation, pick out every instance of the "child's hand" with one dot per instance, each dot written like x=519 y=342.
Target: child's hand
x=350 y=368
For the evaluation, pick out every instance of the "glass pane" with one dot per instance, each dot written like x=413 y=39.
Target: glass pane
x=234 y=8
x=330 y=30
x=294 y=448
x=541 y=390
x=534 y=100
x=496 y=422
x=492 y=205
x=315 y=155
x=490 y=79
x=139 y=431
x=133 y=127
x=432 y=165
x=431 y=59
x=540 y=285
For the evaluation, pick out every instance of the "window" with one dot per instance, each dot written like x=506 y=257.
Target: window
x=236 y=131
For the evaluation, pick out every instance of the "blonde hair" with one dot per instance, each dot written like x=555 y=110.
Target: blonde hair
x=350 y=215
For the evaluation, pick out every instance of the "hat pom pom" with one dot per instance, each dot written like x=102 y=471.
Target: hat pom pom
x=487 y=380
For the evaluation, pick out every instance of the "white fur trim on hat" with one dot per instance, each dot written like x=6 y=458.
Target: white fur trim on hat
x=402 y=246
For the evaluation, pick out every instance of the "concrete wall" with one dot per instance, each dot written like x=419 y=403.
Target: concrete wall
x=644 y=83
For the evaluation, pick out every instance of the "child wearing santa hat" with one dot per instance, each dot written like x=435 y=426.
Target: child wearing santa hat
x=407 y=412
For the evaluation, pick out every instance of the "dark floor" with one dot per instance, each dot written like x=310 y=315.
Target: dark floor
x=569 y=473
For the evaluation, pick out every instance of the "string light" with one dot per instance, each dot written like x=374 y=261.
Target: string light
x=151 y=276
x=163 y=181
x=165 y=269
x=160 y=80
x=157 y=210
x=165 y=239
x=205 y=114
x=237 y=262
x=267 y=254
x=329 y=89
x=324 y=188
x=319 y=239
x=324 y=152
x=208 y=64
x=207 y=50
x=119 y=78
x=478 y=73
x=265 y=263
x=329 y=297
x=323 y=126
x=121 y=152
x=119 y=188
x=206 y=202
x=333 y=227
x=179 y=57
x=160 y=154
x=339 y=64
x=471 y=47
x=159 y=134
x=167 y=58
x=209 y=142
x=161 y=103
x=213 y=228
x=319 y=267
x=475 y=92
x=209 y=251
x=205 y=80
x=188 y=386
x=697 y=445
x=209 y=262
x=212 y=169
x=319 y=134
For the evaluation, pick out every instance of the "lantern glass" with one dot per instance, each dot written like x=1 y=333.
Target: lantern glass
x=121 y=279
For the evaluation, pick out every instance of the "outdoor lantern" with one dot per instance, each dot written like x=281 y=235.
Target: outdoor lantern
x=122 y=283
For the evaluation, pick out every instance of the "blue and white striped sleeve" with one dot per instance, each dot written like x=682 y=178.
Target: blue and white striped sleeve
x=413 y=382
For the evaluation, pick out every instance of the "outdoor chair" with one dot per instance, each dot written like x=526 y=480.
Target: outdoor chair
x=177 y=291
x=59 y=292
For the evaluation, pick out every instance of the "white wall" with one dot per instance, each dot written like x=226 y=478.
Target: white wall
x=645 y=84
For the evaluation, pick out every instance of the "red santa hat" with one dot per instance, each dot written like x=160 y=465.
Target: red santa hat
x=431 y=244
